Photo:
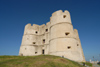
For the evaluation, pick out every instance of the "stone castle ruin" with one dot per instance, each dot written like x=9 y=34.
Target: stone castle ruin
x=57 y=37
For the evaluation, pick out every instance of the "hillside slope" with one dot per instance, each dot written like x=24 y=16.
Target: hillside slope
x=36 y=61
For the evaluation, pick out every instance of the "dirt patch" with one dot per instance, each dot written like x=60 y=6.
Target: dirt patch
x=39 y=62
x=63 y=60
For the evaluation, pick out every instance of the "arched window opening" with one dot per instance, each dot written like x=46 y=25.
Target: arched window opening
x=66 y=33
x=69 y=47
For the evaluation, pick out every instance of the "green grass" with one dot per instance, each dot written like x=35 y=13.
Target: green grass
x=89 y=64
x=36 y=61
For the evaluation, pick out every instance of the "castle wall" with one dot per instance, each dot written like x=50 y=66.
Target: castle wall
x=79 y=44
x=60 y=30
x=27 y=50
x=57 y=37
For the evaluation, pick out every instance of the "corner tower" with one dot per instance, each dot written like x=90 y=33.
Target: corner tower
x=63 y=40
x=30 y=45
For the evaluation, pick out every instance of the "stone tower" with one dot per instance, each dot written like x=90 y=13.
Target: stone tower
x=57 y=37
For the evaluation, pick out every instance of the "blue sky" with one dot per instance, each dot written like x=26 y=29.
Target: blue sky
x=15 y=14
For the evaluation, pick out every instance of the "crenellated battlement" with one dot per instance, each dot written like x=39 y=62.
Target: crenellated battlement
x=37 y=29
x=60 y=17
x=56 y=13
x=60 y=12
x=29 y=26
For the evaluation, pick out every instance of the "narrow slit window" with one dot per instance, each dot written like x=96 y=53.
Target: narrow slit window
x=77 y=44
x=25 y=48
x=43 y=40
x=66 y=33
x=34 y=42
x=69 y=47
x=64 y=16
x=46 y=30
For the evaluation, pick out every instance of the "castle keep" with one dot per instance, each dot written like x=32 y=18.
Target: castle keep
x=57 y=37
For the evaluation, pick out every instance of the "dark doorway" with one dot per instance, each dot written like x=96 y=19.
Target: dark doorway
x=43 y=51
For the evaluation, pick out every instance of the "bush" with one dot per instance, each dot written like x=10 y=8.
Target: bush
x=98 y=63
x=88 y=63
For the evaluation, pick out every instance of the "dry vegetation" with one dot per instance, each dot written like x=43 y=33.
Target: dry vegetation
x=36 y=61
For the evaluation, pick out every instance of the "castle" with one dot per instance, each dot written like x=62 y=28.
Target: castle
x=57 y=37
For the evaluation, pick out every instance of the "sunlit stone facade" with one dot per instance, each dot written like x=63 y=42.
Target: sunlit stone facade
x=57 y=37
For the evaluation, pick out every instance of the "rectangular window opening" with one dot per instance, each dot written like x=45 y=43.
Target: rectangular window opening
x=43 y=40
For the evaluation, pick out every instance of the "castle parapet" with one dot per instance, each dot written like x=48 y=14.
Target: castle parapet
x=60 y=17
x=31 y=29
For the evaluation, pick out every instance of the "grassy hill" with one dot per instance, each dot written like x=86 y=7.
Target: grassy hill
x=36 y=61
